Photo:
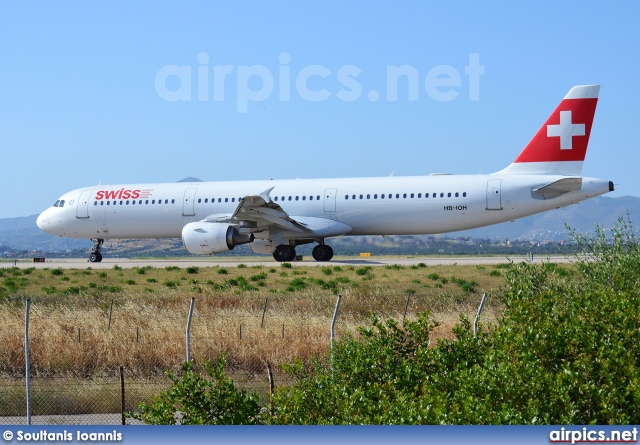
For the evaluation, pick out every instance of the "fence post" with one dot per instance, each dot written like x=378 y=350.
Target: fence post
x=333 y=321
x=475 y=322
x=406 y=308
x=122 y=406
x=270 y=373
x=264 y=310
x=26 y=359
x=189 y=329
x=110 y=313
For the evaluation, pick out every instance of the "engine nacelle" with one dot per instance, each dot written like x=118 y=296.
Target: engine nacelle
x=205 y=238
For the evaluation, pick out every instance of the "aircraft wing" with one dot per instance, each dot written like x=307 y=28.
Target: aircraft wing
x=260 y=211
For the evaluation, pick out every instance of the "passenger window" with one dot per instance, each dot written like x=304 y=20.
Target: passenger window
x=95 y=203
x=397 y=195
x=442 y=195
x=346 y=196
x=464 y=194
x=147 y=201
x=108 y=202
x=275 y=199
x=375 y=196
x=226 y=199
x=456 y=194
x=120 y=202
x=412 y=195
x=433 y=196
x=289 y=198
x=449 y=195
x=361 y=196
x=404 y=195
x=233 y=199
x=101 y=203
x=296 y=198
x=368 y=196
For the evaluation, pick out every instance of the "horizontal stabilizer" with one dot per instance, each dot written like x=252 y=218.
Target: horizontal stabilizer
x=557 y=188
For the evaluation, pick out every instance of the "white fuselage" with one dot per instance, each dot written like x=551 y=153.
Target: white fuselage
x=365 y=206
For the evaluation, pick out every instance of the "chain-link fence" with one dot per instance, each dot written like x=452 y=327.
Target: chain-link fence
x=77 y=344
x=75 y=351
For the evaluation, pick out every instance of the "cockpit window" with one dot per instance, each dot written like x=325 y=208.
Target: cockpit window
x=59 y=203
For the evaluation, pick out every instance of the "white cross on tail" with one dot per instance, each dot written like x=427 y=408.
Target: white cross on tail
x=565 y=130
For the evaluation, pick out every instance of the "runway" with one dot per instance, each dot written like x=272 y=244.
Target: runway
x=109 y=263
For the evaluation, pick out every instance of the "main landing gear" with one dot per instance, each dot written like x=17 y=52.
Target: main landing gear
x=284 y=253
x=321 y=252
x=95 y=256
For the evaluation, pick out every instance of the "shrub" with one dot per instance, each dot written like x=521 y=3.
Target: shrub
x=297 y=284
x=194 y=400
x=363 y=270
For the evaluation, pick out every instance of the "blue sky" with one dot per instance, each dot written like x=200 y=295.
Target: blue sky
x=88 y=90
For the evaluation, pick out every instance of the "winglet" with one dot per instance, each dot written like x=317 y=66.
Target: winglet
x=265 y=195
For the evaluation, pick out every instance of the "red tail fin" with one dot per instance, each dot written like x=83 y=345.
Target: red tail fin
x=561 y=143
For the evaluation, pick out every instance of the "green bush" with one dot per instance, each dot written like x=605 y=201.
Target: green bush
x=566 y=351
x=195 y=400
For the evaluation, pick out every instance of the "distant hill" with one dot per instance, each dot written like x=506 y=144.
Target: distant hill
x=22 y=234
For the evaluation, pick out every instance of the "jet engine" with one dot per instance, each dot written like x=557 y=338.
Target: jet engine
x=205 y=238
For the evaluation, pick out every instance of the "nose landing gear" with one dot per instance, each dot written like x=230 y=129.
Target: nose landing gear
x=95 y=256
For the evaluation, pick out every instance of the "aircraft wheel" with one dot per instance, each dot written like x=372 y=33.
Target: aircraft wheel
x=93 y=257
x=284 y=253
x=322 y=253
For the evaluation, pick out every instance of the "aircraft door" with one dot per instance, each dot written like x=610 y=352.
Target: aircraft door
x=82 y=209
x=330 y=200
x=494 y=194
x=188 y=203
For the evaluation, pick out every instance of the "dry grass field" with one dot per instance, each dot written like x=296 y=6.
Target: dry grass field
x=85 y=321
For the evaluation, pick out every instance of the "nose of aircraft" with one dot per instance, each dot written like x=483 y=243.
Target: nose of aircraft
x=44 y=221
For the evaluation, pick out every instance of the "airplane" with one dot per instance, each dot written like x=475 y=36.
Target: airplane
x=275 y=216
